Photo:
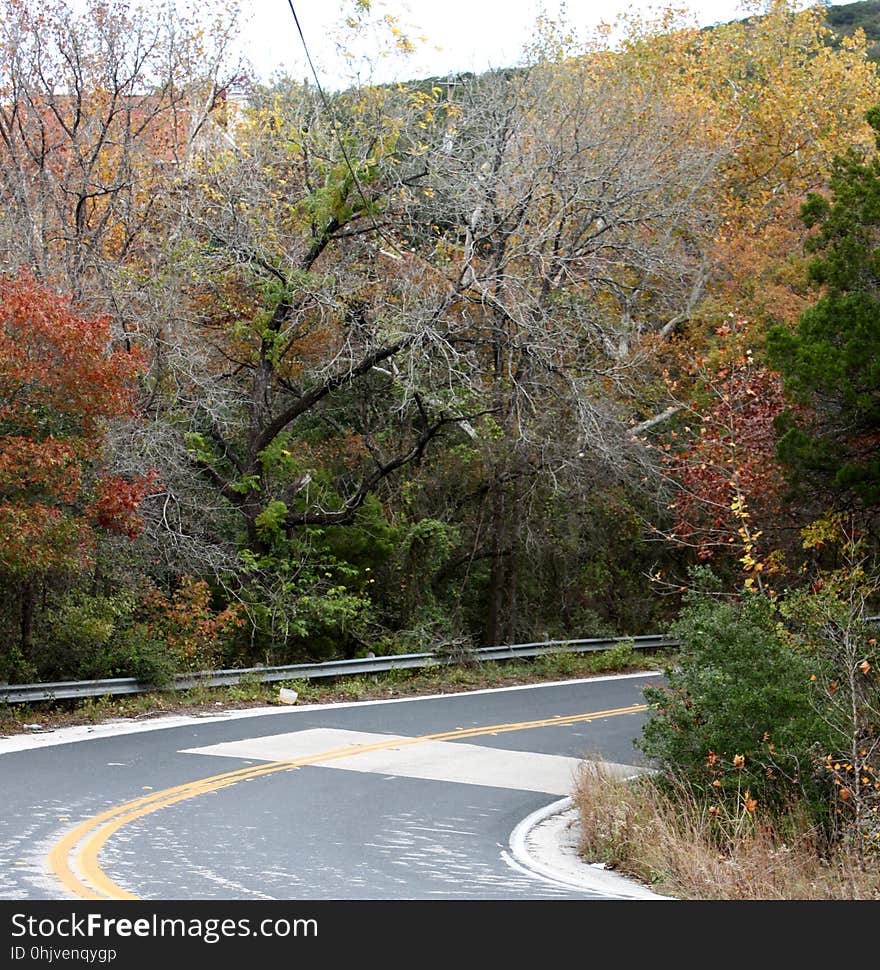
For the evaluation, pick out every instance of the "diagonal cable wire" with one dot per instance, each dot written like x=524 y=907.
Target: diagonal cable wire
x=330 y=112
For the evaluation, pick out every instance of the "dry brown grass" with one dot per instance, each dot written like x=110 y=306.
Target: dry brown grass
x=678 y=846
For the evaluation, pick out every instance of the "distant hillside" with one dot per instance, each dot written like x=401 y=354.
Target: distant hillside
x=845 y=19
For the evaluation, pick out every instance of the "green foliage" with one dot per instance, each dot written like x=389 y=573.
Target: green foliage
x=82 y=623
x=270 y=521
x=831 y=362
x=331 y=615
x=623 y=656
x=137 y=653
x=14 y=666
x=314 y=594
x=245 y=484
x=364 y=546
x=98 y=636
x=198 y=446
x=428 y=543
x=827 y=620
x=423 y=550
x=298 y=610
x=735 y=714
x=276 y=457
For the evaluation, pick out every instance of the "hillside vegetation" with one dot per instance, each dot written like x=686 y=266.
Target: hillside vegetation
x=585 y=347
x=846 y=18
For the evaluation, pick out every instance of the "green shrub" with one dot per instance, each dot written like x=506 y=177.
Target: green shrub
x=619 y=657
x=96 y=637
x=735 y=715
x=14 y=667
x=135 y=653
x=76 y=629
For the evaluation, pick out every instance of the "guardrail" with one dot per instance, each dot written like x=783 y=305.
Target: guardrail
x=76 y=689
x=70 y=689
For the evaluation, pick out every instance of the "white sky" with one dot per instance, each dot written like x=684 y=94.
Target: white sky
x=463 y=35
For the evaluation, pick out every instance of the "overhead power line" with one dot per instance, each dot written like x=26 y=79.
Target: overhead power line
x=326 y=102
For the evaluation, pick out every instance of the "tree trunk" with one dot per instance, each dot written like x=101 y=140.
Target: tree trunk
x=28 y=598
x=495 y=626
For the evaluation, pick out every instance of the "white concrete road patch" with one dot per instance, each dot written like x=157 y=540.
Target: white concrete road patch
x=450 y=761
x=544 y=844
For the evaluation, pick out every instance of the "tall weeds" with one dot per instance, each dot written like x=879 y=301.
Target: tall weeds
x=667 y=836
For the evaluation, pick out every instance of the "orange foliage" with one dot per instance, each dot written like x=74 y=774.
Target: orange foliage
x=60 y=381
x=188 y=624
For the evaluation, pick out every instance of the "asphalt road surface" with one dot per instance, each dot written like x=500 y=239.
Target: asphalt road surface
x=405 y=799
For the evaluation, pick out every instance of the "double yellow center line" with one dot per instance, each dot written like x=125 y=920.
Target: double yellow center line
x=74 y=859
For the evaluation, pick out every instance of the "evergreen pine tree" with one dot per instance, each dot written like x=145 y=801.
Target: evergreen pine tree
x=830 y=363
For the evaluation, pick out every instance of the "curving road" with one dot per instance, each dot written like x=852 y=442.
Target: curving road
x=406 y=799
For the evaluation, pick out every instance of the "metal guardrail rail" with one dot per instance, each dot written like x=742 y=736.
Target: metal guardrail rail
x=70 y=689
x=76 y=689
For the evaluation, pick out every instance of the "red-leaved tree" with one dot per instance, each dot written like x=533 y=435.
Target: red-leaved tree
x=721 y=460
x=61 y=380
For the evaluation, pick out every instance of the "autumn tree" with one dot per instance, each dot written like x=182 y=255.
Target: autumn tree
x=300 y=293
x=61 y=382
x=726 y=486
x=99 y=106
x=778 y=101
x=392 y=264
x=102 y=109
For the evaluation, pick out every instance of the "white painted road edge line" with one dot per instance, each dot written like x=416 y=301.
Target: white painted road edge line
x=559 y=862
x=112 y=729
